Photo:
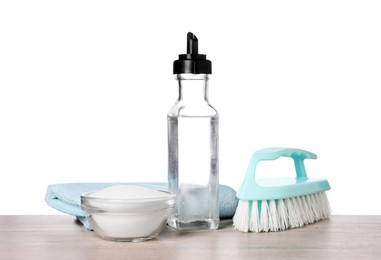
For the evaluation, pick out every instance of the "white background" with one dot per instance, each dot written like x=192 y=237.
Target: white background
x=85 y=87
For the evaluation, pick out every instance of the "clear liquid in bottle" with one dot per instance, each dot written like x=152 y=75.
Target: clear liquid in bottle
x=193 y=171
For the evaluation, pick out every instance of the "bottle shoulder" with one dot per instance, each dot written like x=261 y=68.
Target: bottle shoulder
x=202 y=109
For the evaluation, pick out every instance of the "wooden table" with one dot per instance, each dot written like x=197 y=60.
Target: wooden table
x=61 y=237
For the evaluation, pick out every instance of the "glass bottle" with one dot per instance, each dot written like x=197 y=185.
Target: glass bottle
x=193 y=145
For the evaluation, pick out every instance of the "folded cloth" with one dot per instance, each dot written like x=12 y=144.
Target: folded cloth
x=66 y=197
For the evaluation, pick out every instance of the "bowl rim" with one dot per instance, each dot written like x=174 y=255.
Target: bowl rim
x=86 y=195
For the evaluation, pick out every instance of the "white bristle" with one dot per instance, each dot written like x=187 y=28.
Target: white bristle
x=310 y=204
x=291 y=214
x=281 y=214
x=254 y=217
x=273 y=216
x=301 y=213
x=316 y=207
x=325 y=205
x=264 y=219
x=307 y=210
x=241 y=217
x=298 y=212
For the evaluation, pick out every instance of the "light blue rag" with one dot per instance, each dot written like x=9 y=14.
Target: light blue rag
x=66 y=197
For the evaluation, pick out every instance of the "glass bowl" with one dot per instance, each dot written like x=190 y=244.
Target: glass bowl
x=132 y=220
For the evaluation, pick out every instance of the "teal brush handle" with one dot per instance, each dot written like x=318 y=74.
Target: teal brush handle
x=274 y=153
x=280 y=187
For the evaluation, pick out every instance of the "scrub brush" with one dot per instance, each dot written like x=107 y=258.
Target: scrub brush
x=280 y=203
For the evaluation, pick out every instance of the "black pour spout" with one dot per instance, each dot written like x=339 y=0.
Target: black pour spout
x=192 y=62
x=192 y=44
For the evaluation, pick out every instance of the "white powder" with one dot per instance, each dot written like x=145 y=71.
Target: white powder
x=128 y=192
x=133 y=220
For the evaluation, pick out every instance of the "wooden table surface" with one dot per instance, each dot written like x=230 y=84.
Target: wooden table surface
x=61 y=237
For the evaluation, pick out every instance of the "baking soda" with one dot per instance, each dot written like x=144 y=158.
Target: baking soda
x=134 y=213
x=129 y=192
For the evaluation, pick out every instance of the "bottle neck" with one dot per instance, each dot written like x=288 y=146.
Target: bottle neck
x=193 y=87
